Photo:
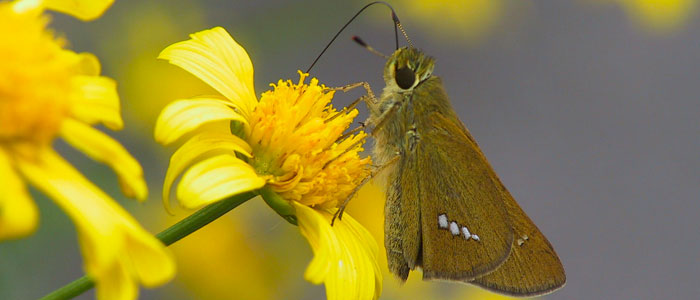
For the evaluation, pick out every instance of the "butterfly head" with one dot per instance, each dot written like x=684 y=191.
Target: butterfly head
x=407 y=68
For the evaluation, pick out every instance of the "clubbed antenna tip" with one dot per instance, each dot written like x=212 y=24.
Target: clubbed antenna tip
x=362 y=43
x=358 y=40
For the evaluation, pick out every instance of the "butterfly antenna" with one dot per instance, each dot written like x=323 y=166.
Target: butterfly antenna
x=369 y=48
x=397 y=24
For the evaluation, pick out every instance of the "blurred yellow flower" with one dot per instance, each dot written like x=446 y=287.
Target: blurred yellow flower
x=660 y=16
x=234 y=264
x=47 y=91
x=128 y=53
x=467 y=20
x=286 y=146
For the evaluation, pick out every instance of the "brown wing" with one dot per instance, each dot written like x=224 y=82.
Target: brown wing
x=533 y=268
x=464 y=224
x=402 y=227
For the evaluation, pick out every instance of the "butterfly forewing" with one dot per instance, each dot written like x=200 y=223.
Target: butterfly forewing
x=464 y=230
x=532 y=268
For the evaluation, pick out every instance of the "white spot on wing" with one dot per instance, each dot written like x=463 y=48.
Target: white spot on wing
x=454 y=228
x=522 y=239
x=442 y=221
x=466 y=233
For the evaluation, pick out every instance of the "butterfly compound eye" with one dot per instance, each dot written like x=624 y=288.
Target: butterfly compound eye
x=404 y=77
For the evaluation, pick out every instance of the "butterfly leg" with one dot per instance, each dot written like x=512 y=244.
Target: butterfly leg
x=370 y=98
x=347 y=108
x=352 y=131
x=376 y=170
x=372 y=104
x=374 y=124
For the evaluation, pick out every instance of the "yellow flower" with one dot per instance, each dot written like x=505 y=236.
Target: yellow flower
x=659 y=16
x=237 y=263
x=286 y=146
x=47 y=91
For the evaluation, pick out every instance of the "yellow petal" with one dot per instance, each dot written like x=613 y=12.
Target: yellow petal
x=86 y=204
x=116 y=250
x=96 y=101
x=197 y=148
x=345 y=255
x=114 y=283
x=154 y=266
x=215 y=58
x=359 y=240
x=216 y=178
x=85 y=10
x=104 y=149
x=83 y=63
x=184 y=116
x=88 y=64
x=24 y=6
x=18 y=213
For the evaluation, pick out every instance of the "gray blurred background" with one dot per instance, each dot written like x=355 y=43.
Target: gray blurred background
x=589 y=116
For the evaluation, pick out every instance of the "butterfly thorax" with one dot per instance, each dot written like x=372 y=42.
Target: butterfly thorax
x=412 y=92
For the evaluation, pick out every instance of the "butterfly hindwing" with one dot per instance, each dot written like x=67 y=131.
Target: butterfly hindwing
x=533 y=268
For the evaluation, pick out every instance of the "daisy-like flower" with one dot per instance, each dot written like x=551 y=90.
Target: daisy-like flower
x=47 y=92
x=286 y=146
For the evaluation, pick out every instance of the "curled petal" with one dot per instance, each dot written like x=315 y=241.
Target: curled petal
x=184 y=116
x=81 y=64
x=216 y=178
x=345 y=255
x=18 y=213
x=96 y=101
x=198 y=147
x=87 y=64
x=104 y=149
x=215 y=58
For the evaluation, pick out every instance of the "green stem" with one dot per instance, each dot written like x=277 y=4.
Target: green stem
x=168 y=236
x=71 y=290
x=278 y=204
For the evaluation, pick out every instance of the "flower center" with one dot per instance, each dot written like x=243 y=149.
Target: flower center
x=35 y=78
x=295 y=137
